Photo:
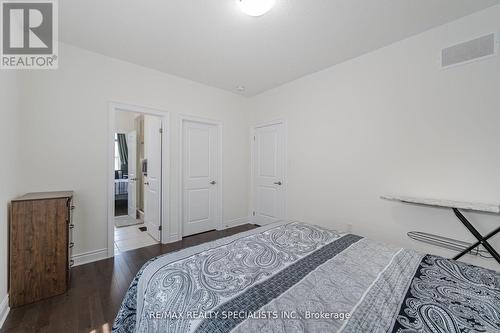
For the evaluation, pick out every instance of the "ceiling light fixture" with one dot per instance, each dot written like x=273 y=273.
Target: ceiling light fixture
x=240 y=88
x=256 y=7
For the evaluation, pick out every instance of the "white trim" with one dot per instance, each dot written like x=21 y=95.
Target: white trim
x=237 y=222
x=88 y=257
x=285 y=165
x=4 y=309
x=269 y=123
x=173 y=238
x=220 y=131
x=166 y=160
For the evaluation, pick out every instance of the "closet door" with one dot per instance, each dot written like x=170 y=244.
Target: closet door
x=200 y=158
x=268 y=174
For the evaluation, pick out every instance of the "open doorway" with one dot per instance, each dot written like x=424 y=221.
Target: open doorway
x=137 y=190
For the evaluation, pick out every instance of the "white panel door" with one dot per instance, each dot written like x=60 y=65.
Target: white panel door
x=132 y=173
x=268 y=170
x=200 y=184
x=152 y=181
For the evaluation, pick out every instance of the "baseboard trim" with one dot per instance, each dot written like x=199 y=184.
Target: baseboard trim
x=236 y=222
x=88 y=257
x=173 y=239
x=228 y=224
x=4 y=310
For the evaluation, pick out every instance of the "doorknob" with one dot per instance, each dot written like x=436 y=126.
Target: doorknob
x=213 y=182
x=277 y=183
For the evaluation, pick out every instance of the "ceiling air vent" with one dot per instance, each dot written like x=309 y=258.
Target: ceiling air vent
x=476 y=49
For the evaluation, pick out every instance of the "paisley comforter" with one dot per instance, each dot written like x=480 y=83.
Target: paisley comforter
x=296 y=277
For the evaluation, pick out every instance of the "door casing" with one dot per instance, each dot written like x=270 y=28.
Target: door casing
x=114 y=107
x=132 y=187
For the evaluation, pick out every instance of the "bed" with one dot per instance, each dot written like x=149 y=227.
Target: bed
x=297 y=277
x=121 y=189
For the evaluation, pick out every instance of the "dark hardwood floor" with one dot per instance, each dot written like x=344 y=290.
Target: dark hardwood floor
x=97 y=289
x=121 y=208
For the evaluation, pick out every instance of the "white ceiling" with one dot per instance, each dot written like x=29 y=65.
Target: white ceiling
x=212 y=42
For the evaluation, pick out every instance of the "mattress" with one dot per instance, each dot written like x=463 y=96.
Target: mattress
x=297 y=277
x=121 y=187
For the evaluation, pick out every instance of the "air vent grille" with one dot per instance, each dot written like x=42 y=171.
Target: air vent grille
x=469 y=51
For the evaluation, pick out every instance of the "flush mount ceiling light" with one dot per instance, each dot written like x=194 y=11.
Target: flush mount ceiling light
x=256 y=7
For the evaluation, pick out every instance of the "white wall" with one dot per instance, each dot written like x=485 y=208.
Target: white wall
x=9 y=177
x=125 y=122
x=65 y=122
x=389 y=121
x=392 y=121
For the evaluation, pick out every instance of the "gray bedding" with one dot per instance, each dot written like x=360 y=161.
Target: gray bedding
x=296 y=277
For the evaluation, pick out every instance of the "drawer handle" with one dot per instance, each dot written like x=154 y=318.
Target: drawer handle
x=71 y=245
x=71 y=263
x=71 y=226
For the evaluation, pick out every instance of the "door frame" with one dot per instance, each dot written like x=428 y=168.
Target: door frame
x=165 y=171
x=252 y=165
x=129 y=195
x=220 y=205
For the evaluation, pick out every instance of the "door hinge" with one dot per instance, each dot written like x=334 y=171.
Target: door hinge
x=161 y=130
x=253 y=213
x=159 y=228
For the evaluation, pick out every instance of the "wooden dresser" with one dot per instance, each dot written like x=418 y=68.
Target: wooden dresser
x=41 y=243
